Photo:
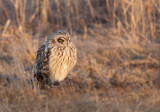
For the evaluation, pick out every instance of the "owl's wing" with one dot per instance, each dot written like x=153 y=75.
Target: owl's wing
x=41 y=69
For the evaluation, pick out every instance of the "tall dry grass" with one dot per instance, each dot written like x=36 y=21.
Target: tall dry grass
x=118 y=64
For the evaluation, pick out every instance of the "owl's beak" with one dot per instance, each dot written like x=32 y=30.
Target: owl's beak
x=67 y=43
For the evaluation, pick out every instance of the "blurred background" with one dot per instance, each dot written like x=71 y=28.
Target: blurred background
x=118 y=44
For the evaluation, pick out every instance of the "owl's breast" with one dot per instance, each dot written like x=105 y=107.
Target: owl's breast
x=60 y=63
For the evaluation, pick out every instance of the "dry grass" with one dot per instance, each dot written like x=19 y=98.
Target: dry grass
x=118 y=43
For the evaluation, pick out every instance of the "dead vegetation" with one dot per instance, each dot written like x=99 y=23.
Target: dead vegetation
x=118 y=43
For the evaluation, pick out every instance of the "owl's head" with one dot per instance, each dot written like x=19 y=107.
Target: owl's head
x=60 y=38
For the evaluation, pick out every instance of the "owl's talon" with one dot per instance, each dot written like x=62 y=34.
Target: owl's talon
x=56 y=83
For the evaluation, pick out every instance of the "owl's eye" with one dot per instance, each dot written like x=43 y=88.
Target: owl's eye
x=60 y=40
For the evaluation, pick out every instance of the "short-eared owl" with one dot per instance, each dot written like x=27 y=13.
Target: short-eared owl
x=56 y=58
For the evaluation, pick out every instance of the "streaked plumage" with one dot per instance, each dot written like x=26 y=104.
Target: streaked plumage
x=56 y=58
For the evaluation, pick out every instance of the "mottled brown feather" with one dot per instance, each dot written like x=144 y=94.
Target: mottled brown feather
x=41 y=69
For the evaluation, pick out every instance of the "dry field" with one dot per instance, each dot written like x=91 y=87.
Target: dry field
x=118 y=68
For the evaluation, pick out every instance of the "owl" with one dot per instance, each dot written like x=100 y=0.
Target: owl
x=55 y=59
